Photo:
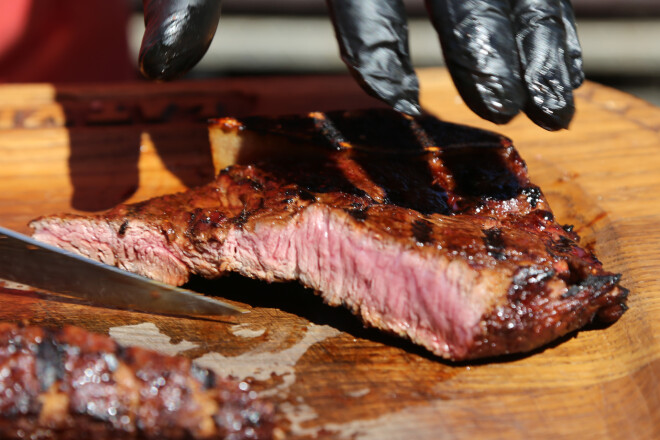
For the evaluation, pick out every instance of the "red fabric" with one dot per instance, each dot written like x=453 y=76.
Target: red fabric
x=64 y=41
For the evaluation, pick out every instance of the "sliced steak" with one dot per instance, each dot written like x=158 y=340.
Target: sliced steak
x=72 y=384
x=422 y=228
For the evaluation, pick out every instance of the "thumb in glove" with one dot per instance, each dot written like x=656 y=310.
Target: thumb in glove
x=178 y=34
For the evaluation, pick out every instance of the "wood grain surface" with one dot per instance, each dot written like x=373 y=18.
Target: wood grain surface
x=81 y=149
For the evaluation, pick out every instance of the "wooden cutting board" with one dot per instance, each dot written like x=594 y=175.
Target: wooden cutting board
x=86 y=148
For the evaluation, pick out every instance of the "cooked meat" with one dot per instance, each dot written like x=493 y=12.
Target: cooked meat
x=422 y=228
x=71 y=384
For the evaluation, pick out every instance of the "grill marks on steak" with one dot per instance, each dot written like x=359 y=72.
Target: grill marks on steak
x=425 y=229
x=73 y=384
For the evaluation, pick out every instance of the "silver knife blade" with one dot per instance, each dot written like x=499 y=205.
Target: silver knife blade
x=27 y=261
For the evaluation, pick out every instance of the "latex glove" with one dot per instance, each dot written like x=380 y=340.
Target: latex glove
x=503 y=55
x=177 y=35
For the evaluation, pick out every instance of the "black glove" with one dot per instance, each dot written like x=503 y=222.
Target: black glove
x=504 y=55
x=177 y=35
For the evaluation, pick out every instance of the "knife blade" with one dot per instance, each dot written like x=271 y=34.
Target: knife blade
x=36 y=264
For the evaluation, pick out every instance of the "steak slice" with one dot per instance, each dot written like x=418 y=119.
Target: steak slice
x=426 y=229
x=72 y=384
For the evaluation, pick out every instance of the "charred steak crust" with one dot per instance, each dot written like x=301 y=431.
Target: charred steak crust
x=73 y=384
x=426 y=229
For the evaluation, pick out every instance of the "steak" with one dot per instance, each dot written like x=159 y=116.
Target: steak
x=422 y=228
x=71 y=384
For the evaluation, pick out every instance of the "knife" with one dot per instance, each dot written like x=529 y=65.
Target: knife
x=27 y=261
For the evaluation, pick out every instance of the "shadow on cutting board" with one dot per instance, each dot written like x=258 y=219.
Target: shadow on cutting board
x=122 y=141
x=293 y=298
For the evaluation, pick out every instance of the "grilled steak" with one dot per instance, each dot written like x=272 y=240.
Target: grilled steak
x=71 y=384
x=422 y=228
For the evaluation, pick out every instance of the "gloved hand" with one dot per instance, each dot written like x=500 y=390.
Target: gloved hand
x=177 y=35
x=504 y=55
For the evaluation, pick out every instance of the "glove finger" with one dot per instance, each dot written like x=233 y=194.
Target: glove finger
x=573 y=48
x=373 y=42
x=543 y=54
x=177 y=35
x=480 y=51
